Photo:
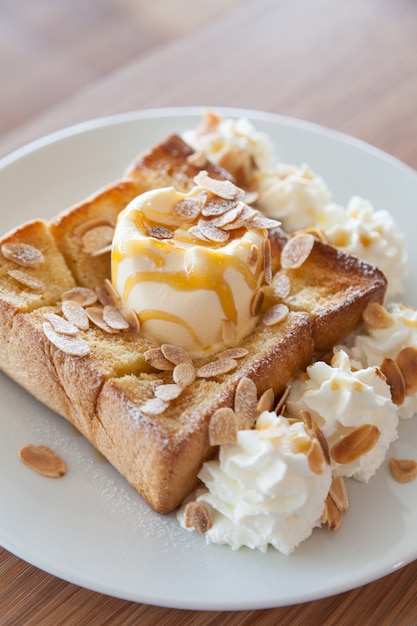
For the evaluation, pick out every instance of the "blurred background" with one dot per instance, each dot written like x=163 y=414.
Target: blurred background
x=50 y=49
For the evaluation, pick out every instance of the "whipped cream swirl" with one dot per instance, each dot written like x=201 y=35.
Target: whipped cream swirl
x=340 y=399
x=265 y=489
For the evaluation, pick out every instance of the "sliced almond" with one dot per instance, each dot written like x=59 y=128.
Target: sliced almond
x=215 y=207
x=198 y=159
x=228 y=217
x=82 y=295
x=113 y=293
x=307 y=419
x=216 y=368
x=73 y=345
x=403 y=470
x=96 y=316
x=188 y=209
x=156 y=359
x=196 y=515
x=175 y=354
x=395 y=380
x=113 y=318
x=229 y=334
x=75 y=314
x=184 y=374
x=256 y=302
x=97 y=238
x=253 y=257
x=268 y=262
x=244 y=220
x=246 y=402
x=407 y=362
x=104 y=296
x=232 y=353
x=376 y=316
x=223 y=427
x=332 y=515
x=280 y=407
x=159 y=232
x=264 y=223
x=168 y=392
x=61 y=325
x=43 y=460
x=297 y=250
x=318 y=433
x=276 y=314
x=266 y=401
x=133 y=320
x=212 y=233
x=315 y=457
x=358 y=442
x=27 y=280
x=281 y=285
x=22 y=254
x=338 y=493
x=222 y=188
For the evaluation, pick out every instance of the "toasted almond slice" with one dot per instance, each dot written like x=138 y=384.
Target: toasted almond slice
x=27 y=280
x=262 y=222
x=276 y=314
x=75 y=314
x=97 y=238
x=113 y=318
x=133 y=320
x=256 y=302
x=222 y=188
x=196 y=233
x=168 y=392
x=43 y=460
x=358 y=442
x=266 y=401
x=188 y=209
x=196 y=515
x=395 y=380
x=211 y=232
x=184 y=374
x=227 y=217
x=376 y=316
x=154 y=406
x=307 y=419
x=82 y=295
x=339 y=494
x=407 y=362
x=280 y=407
x=103 y=296
x=268 y=262
x=297 y=250
x=246 y=402
x=318 y=433
x=253 y=257
x=113 y=293
x=22 y=254
x=403 y=470
x=216 y=368
x=215 y=207
x=229 y=334
x=223 y=427
x=61 y=325
x=332 y=515
x=156 y=359
x=244 y=220
x=315 y=457
x=232 y=353
x=96 y=316
x=175 y=354
x=73 y=345
x=281 y=285
x=159 y=232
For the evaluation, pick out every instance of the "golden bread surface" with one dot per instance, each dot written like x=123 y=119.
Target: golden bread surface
x=106 y=392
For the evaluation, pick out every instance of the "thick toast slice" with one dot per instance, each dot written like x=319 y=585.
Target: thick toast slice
x=108 y=393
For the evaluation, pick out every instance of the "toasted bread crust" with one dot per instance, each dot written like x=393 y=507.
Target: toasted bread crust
x=104 y=392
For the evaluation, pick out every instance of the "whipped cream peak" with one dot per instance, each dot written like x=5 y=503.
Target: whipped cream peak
x=189 y=263
x=340 y=399
x=264 y=490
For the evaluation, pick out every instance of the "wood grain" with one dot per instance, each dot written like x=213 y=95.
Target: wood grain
x=351 y=66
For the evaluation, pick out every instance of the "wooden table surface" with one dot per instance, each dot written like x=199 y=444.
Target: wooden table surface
x=351 y=66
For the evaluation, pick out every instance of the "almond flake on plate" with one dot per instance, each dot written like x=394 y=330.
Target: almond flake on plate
x=43 y=460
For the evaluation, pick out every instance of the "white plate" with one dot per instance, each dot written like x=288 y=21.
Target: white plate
x=90 y=527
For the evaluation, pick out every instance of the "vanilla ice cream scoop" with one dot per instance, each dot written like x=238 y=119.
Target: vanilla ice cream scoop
x=191 y=265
